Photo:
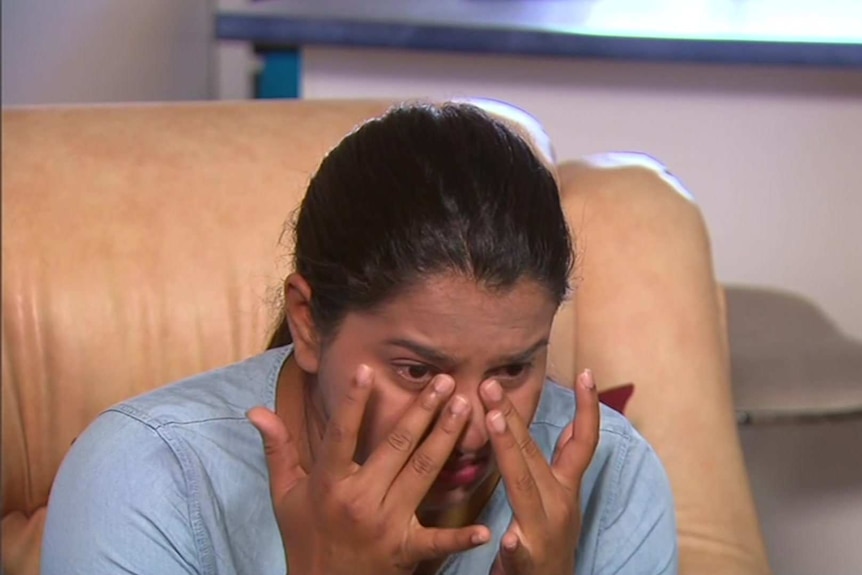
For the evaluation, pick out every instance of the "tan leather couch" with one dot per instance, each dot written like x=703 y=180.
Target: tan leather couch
x=140 y=246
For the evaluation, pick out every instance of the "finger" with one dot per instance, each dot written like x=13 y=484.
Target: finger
x=521 y=486
x=493 y=397
x=562 y=440
x=282 y=455
x=342 y=430
x=514 y=556
x=576 y=453
x=415 y=479
x=388 y=458
x=427 y=544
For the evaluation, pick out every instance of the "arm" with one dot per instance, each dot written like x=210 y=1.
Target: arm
x=647 y=312
x=119 y=504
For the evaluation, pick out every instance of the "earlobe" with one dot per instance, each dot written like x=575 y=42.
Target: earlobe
x=297 y=308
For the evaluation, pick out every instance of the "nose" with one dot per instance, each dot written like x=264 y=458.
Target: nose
x=475 y=435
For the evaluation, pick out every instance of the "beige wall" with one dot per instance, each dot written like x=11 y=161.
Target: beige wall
x=75 y=51
x=772 y=155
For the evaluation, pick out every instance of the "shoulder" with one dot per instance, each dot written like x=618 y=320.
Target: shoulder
x=557 y=408
x=188 y=435
x=629 y=524
x=622 y=454
x=164 y=472
x=226 y=393
x=119 y=485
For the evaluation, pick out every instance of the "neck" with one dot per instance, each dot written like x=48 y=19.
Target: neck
x=301 y=411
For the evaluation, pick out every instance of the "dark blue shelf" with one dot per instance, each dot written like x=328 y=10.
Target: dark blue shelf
x=725 y=31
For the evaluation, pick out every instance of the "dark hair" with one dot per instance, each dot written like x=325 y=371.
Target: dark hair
x=421 y=190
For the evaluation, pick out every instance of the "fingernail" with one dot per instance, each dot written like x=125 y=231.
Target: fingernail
x=478 y=538
x=587 y=379
x=443 y=384
x=363 y=376
x=458 y=405
x=493 y=391
x=510 y=543
x=497 y=422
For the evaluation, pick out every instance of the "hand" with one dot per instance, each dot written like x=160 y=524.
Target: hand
x=543 y=535
x=346 y=518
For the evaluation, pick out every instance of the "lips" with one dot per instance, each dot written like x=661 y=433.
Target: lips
x=462 y=472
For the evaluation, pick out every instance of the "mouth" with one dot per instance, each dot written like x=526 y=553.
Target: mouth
x=462 y=472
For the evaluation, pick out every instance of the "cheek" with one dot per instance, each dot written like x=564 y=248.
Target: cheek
x=526 y=399
x=332 y=382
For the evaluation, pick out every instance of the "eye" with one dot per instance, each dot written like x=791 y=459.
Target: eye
x=415 y=373
x=514 y=371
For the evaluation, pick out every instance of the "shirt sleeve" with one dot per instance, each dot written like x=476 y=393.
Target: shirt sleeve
x=638 y=525
x=120 y=505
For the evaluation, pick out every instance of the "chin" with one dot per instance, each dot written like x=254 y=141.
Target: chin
x=442 y=499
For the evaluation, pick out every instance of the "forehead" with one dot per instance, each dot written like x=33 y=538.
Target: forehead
x=442 y=292
x=456 y=315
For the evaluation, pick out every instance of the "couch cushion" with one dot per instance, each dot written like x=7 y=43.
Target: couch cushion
x=139 y=246
x=22 y=541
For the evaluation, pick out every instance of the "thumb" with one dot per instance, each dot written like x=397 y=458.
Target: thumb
x=514 y=556
x=282 y=455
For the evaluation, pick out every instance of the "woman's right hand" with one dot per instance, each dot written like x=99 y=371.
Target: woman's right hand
x=346 y=518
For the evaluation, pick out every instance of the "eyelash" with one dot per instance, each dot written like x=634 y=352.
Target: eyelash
x=504 y=374
x=403 y=371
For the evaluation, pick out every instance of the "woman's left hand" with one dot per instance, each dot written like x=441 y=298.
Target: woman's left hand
x=543 y=536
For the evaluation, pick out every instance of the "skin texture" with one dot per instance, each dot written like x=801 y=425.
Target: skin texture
x=366 y=421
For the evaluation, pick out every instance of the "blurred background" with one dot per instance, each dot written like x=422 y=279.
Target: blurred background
x=755 y=105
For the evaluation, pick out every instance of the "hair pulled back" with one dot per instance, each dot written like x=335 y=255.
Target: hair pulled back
x=422 y=190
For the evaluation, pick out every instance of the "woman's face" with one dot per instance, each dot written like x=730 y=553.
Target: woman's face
x=447 y=324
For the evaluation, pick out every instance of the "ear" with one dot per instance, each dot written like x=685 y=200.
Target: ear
x=297 y=309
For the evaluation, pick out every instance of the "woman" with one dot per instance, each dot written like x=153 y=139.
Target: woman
x=408 y=426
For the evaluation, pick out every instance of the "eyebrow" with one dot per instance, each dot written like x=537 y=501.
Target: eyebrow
x=434 y=356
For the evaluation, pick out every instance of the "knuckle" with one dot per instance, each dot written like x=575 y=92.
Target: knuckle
x=273 y=449
x=400 y=440
x=529 y=448
x=508 y=441
x=355 y=511
x=423 y=464
x=351 y=396
x=525 y=482
x=450 y=425
x=428 y=401
x=338 y=433
x=435 y=545
x=508 y=410
x=570 y=514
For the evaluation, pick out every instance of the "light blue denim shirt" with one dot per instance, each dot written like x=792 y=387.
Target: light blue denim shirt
x=175 y=482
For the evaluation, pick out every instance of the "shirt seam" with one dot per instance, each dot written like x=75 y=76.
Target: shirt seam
x=613 y=495
x=545 y=418
x=619 y=432
x=157 y=423
x=204 y=550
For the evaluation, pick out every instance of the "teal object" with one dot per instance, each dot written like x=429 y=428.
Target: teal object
x=280 y=75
